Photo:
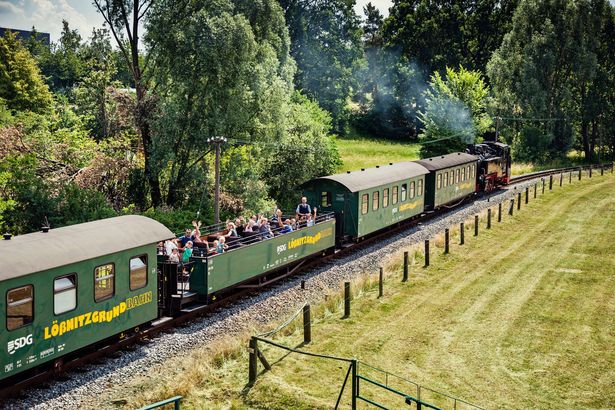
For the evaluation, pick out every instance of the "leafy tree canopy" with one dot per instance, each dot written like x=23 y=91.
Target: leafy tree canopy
x=455 y=112
x=21 y=84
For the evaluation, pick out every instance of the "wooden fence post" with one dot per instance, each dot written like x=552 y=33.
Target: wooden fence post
x=550 y=182
x=512 y=206
x=527 y=194
x=570 y=177
x=519 y=200
x=446 y=237
x=580 y=171
x=381 y=282
x=590 y=170
x=475 y=225
x=307 y=324
x=489 y=218
x=346 y=299
x=500 y=212
x=405 y=278
x=535 y=188
x=461 y=233
x=253 y=363
x=543 y=185
x=426 y=252
x=561 y=179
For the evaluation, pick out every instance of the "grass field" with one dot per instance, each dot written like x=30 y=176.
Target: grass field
x=522 y=316
x=359 y=152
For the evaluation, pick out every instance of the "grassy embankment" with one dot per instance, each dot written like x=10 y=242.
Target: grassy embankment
x=358 y=152
x=521 y=317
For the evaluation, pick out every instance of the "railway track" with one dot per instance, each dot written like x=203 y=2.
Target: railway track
x=109 y=346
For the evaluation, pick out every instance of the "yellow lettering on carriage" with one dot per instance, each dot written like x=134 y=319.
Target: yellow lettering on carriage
x=410 y=205
x=97 y=316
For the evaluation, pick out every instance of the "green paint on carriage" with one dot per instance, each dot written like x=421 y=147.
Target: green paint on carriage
x=32 y=265
x=369 y=200
x=220 y=272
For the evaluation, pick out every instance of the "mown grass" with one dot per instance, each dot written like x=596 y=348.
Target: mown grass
x=358 y=152
x=522 y=316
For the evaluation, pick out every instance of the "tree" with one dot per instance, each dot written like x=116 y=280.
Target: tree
x=307 y=151
x=223 y=70
x=455 y=112
x=326 y=44
x=63 y=64
x=445 y=33
x=21 y=83
x=124 y=18
x=546 y=70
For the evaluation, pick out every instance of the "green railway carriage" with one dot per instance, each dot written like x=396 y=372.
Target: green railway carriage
x=369 y=200
x=71 y=287
x=217 y=273
x=451 y=178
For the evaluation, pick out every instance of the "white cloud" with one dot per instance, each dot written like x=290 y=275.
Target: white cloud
x=47 y=16
x=382 y=5
x=7 y=7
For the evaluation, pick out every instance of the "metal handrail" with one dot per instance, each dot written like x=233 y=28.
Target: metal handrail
x=418 y=386
x=174 y=400
x=257 y=237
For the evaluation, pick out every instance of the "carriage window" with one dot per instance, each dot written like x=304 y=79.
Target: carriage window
x=463 y=173
x=439 y=181
x=385 y=197
x=452 y=177
x=411 y=189
x=457 y=176
x=394 y=196
x=138 y=272
x=364 y=204
x=19 y=307
x=404 y=192
x=64 y=294
x=375 y=200
x=469 y=171
x=104 y=282
x=446 y=179
x=419 y=188
x=325 y=199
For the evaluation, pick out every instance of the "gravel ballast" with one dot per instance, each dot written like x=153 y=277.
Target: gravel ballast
x=81 y=390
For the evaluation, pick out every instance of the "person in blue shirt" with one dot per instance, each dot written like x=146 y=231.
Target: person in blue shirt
x=287 y=227
x=191 y=235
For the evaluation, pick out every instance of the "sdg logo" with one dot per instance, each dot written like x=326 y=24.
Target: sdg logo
x=15 y=345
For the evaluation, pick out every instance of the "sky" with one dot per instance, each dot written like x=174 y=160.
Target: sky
x=47 y=15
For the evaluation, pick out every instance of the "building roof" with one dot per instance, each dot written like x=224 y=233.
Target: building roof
x=356 y=181
x=447 y=161
x=35 y=252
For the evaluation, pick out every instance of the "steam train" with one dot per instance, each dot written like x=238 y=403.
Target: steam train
x=90 y=284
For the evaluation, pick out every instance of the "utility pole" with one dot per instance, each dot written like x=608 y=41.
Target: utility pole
x=217 y=141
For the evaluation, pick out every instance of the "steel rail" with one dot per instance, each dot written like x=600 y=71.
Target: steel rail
x=112 y=344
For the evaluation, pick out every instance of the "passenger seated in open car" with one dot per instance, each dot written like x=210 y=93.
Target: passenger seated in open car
x=221 y=247
x=264 y=229
x=231 y=231
x=286 y=227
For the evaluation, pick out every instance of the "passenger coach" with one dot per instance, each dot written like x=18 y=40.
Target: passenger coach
x=451 y=178
x=72 y=287
x=371 y=199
